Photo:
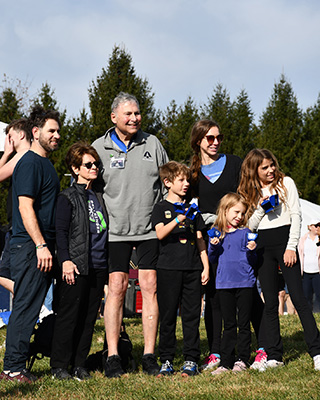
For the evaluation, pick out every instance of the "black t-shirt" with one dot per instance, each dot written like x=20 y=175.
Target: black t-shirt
x=34 y=176
x=178 y=251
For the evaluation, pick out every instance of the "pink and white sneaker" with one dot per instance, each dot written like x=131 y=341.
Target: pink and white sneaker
x=260 y=361
x=219 y=371
x=239 y=366
x=210 y=362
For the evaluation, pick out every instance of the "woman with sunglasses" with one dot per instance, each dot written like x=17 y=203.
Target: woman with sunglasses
x=214 y=175
x=81 y=236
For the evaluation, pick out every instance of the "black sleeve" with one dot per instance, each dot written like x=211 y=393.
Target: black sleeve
x=63 y=219
x=200 y=225
x=157 y=215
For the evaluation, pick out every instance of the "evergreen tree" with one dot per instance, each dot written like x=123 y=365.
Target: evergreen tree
x=9 y=110
x=76 y=129
x=219 y=109
x=308 y=166
x=281 y=127
x=9 y=106
x=243 y=130
x=45 y=98
x=176 y=125
x=120 y=76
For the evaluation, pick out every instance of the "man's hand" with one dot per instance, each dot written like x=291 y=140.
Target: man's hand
x=44 y=259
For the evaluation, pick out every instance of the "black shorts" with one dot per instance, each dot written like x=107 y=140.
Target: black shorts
x=120 y=255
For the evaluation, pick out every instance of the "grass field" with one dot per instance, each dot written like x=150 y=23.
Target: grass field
x=297 y=380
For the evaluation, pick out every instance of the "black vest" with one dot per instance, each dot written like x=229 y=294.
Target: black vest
x=79 y=241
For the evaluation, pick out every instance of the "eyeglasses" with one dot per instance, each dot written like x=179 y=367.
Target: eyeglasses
x=89 y=164
x=212 y=138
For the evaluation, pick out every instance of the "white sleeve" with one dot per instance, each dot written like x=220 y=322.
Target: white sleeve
x=255 y=218
x=293 y=204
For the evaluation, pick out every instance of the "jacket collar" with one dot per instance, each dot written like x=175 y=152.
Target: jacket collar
x=136 y=140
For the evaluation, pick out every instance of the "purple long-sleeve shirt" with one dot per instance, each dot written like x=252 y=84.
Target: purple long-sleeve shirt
x=235 y=261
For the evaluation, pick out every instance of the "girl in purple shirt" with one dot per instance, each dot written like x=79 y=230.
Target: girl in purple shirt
x=234 y=252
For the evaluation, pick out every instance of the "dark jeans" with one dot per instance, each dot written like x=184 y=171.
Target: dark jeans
x=77 y=309
x=30 y=289
x=236 y=308
x=174 y=288
x=311 y=285
x=271 y=247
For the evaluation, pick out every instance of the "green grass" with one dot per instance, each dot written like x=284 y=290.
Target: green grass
x=297 y=380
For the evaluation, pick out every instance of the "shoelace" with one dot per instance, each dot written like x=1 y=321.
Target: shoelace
x=167 y=365
x=189 y=365
x=210 y=358
x=261 y=354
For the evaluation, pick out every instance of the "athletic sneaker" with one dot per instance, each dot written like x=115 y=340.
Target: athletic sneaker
x=81 y=374
x=260 y=360
x=239 y=366
x=150 y=365
x=210 y=362
x=112 y=367
x=189 y=368
x=25 y=376
x=60 y=373
x=220 y=370
x=166 y=369
x=274 y=364
x=316 y=360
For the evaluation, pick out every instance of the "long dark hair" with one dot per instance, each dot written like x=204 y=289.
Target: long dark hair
x=198 y=132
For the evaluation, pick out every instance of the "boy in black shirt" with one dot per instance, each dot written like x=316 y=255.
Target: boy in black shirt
x=181 y=269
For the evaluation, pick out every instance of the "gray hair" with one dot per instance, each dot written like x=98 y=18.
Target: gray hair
x=121 y=98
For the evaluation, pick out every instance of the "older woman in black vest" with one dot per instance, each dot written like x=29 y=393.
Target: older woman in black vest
x=81 y=236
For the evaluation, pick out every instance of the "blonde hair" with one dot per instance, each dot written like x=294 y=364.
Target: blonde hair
x=250 y=187
x=228 y=201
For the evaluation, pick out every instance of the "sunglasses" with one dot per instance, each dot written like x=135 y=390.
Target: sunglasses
x=212 y=138
x=89 y=164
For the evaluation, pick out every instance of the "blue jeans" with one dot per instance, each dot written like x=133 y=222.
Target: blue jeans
x=30 y=288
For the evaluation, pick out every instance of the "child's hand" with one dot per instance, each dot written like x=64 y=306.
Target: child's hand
x=214 y=241
x=251 y=245
x=263 y=199
x=181 y=217
x=205 y=277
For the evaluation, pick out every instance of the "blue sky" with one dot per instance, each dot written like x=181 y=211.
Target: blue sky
x=182 y=47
